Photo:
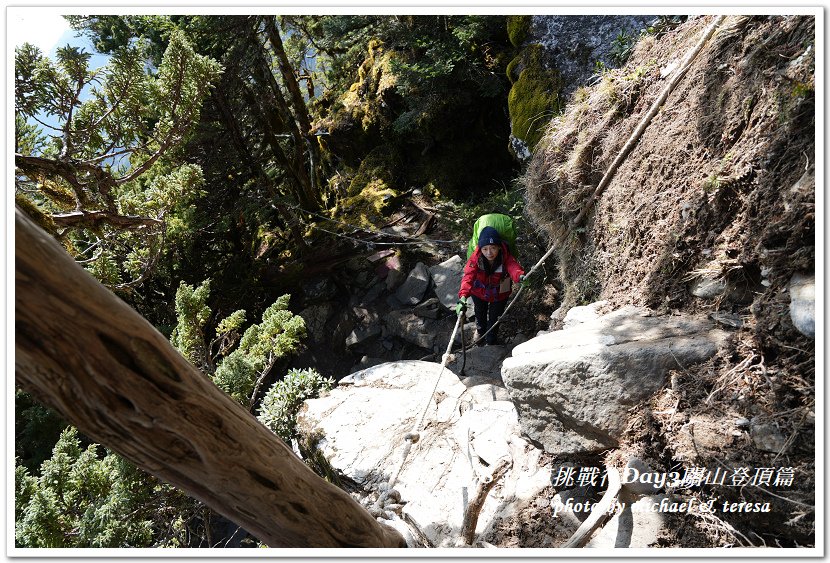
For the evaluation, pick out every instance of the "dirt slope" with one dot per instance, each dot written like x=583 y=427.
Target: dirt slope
x=720 y=187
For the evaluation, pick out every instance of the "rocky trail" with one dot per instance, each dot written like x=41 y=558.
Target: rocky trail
x=675 y=345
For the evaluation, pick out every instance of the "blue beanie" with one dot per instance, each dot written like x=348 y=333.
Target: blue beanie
x=489 y=235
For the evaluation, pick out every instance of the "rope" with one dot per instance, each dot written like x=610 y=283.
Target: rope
x=641 y=127
x=629 y=145
x=414 y=435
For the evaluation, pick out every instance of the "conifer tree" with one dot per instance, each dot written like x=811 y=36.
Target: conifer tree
x=94 y=161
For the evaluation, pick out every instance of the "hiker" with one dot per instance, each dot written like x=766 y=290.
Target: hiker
x=487 y=278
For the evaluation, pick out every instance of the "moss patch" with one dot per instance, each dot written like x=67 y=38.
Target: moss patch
x=517 y=29
x=356 y=120
x=534 y=98
x=370 y=190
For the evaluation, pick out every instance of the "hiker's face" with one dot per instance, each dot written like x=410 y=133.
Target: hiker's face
x=490 y=251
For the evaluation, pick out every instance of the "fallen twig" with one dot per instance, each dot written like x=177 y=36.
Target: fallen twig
x=468 y=529
x=600 y=511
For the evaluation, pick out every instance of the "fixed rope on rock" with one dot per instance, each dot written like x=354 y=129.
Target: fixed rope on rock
x=414 y=435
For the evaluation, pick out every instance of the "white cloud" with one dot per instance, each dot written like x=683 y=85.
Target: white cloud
x=38 y=26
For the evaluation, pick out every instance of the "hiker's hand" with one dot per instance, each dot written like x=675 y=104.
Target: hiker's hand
x=523 y=281
x=461 y=307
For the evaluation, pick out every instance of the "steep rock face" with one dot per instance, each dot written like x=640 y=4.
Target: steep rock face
x=558 y=55
x=574 y=388
x=715 y=188
x=574 y=44
x=361 y=424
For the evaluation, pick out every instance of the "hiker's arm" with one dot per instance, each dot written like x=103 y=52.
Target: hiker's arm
x=513 y=268
x=467 y=278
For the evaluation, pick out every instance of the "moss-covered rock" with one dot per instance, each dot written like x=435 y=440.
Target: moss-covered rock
x=534 y=97
x=355 y=122
x=371 y=189
x=517 y=29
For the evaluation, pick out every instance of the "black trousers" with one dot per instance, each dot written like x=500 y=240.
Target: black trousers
x=486 y=316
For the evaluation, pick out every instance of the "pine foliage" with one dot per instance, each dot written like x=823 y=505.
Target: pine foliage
x=278 y=335
x=86 y=498
x=284 y=399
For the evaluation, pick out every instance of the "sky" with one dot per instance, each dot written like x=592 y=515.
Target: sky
x=43 y=27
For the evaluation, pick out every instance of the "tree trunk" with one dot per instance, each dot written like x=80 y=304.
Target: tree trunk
x=82 y=351
x=289 y=78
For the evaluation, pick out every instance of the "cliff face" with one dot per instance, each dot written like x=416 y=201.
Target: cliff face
x=712 y=212
x=720 y=182
x=555 y=55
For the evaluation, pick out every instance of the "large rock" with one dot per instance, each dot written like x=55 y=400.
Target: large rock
x=573 y=44
x=362 y=424
x=412 y=328
x=447 y=279
x=315 y=318
x=573 y=388
x=582 y=314
x=415 y=287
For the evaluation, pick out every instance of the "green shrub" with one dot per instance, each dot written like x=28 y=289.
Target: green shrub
x=278 y=335
x=85 y=499
x=283 y=400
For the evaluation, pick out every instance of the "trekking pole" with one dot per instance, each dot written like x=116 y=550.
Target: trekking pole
x=463 y=346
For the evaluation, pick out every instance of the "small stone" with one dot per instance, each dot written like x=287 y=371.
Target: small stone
x=767 y=437
x=727 y=319
x=742 y=422
x=803 y=304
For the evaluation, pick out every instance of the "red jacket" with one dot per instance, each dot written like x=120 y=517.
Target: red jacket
x=496 y=286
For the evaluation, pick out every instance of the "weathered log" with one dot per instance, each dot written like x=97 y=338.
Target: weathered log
x=84 y=352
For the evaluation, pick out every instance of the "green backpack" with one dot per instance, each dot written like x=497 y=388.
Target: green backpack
x=502 y=223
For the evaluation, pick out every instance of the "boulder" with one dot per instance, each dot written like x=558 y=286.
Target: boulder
x=367 y=362
x=582 y=314
x=573 y=388
x=573 y=43
x=485 y=390
x=413 y=290
x=315 y=318
x=447 y=279
x=393 y=278
x=411 y=328
x=429 y=309
x=361 y=426
x=362 y=334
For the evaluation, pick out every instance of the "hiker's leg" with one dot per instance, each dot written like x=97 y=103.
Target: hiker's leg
x=495 y=311
x=480 y=310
